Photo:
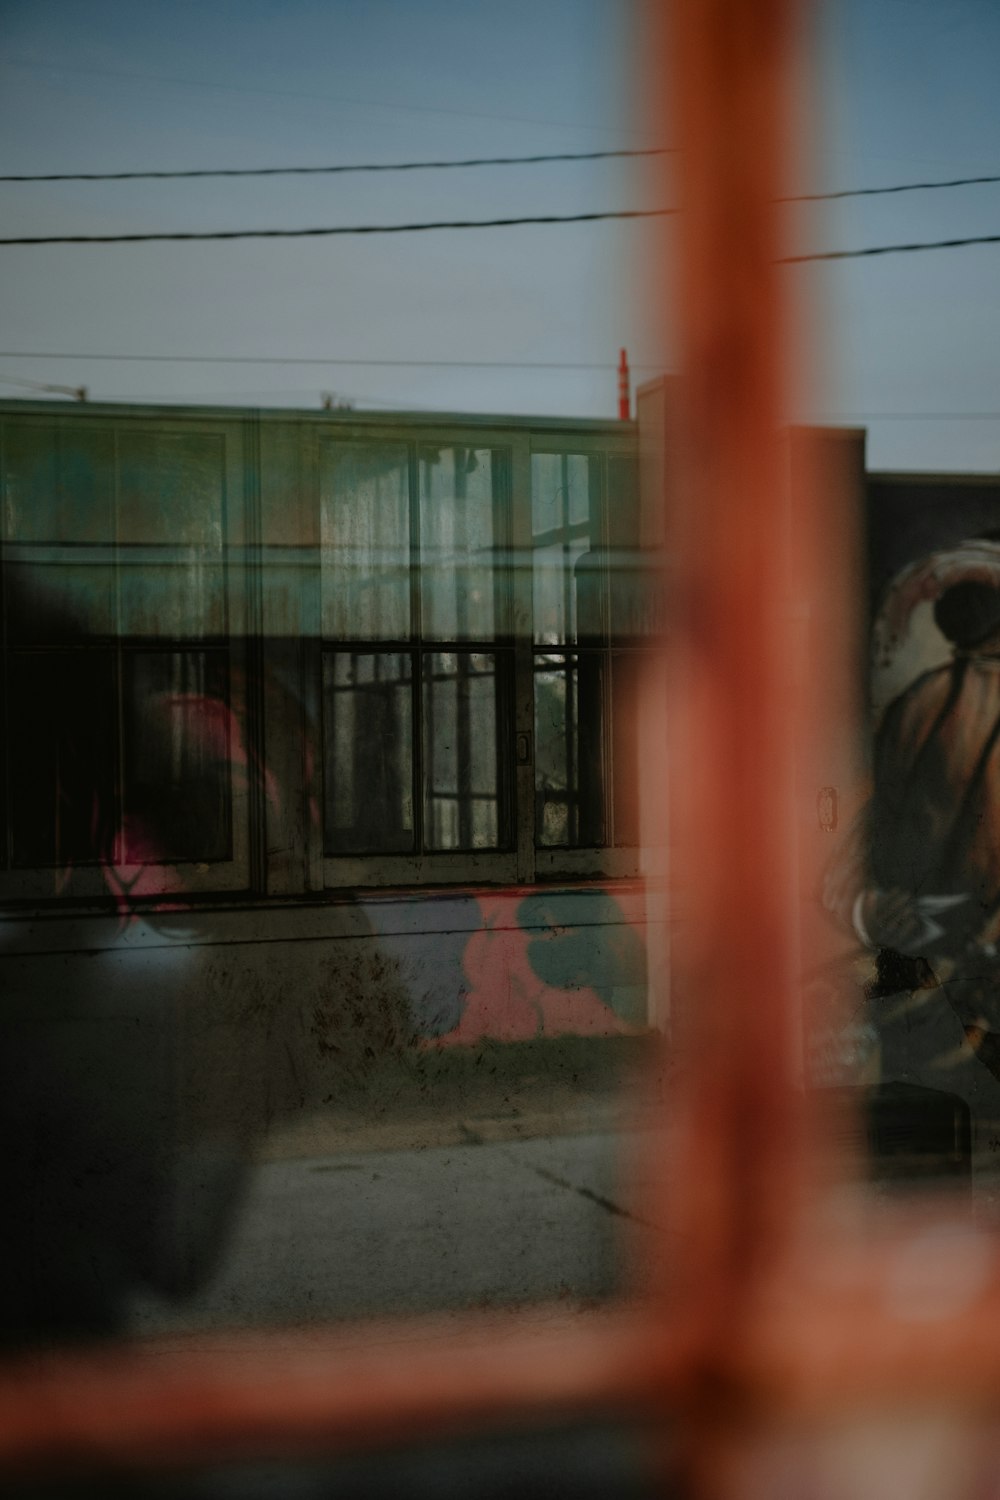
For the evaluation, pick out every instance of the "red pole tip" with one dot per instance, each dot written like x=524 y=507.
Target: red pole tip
x=624 y=403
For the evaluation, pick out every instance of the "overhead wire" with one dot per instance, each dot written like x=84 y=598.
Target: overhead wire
x=324 y=231
x=337 y=168
x=294 y=359
x=80 y=392
x=328 y=231
x=893 y=187
x=904 y=249
x=537 y=158
x=345 y=401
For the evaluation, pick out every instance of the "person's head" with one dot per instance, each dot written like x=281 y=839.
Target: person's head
x=968 y=613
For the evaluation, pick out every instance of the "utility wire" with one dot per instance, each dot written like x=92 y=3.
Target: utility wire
x=477 y=161
x=975 y=239
x=354 y=229
x=878 y=192
x=337 y=229
x=81 y=393
x=277 y=359
x=394 y=166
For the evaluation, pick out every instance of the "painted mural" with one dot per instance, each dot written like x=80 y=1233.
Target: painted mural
x=917 y=881
x=520 y=965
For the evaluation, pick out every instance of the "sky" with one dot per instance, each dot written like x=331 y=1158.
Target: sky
x=899 y=90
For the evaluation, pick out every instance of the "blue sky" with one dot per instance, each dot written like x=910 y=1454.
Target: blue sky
x=904 y=89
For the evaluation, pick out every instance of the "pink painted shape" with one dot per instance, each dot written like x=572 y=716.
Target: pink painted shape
x=508 y=1002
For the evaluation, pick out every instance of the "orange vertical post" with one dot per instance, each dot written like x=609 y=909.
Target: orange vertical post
x=738 y=1171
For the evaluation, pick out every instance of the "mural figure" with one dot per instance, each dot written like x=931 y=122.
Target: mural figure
x=920 y=879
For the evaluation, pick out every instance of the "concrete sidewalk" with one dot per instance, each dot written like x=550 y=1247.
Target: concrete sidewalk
x=366 y=1233
x=459 y=1102
x=551 y=1113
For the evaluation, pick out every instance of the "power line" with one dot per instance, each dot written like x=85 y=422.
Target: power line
x=277 y=359
x=393 y=166
x=338 y=229
x=878 y=192
x=975 y=239
x=81 y=392
x=328 y=231
x=929 y=185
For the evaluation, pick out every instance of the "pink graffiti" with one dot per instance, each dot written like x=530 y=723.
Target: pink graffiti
x=508 y=1002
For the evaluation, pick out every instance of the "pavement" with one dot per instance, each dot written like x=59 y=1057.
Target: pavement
x=373 y=1231
x=450 y=1187
x=490 y=1095
x=329 y=1132
x=494 y=1179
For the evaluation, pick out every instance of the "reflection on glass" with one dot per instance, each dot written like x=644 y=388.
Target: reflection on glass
x=59 y=528
x=569 y=756
x=365 y=534
x=171 y=521
x=63 y=765
x=180 y=741
x=628 y=675
x=458 y=577
x=624 y=520
x=562 y=490
x=554 y=590
x=565 y=490
x=460 y=750
x=636 y=604
x=367 y=734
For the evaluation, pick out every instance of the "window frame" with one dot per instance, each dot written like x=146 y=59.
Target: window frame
x=173 y=879
x=271 y=461
x=524 y=862
x=423 y=866
x=607 y=860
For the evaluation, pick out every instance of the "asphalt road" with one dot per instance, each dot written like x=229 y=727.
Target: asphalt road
x=382 y=1232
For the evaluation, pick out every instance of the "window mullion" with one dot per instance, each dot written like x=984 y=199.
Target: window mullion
x=118 y=850
x=523 y=727
x=252 y=612
x=8 y=848
x=416 y=656
x=607 y=738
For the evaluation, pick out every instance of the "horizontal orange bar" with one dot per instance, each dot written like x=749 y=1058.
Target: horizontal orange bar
x=182 y=1401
